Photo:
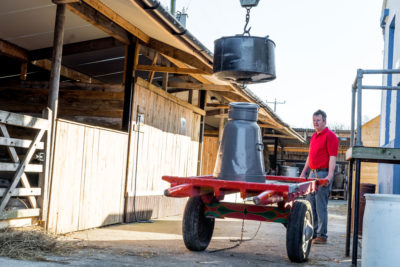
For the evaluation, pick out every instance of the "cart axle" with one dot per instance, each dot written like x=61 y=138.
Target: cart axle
x=246 y=212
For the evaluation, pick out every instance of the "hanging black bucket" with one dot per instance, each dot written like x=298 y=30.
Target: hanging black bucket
x=244 y=59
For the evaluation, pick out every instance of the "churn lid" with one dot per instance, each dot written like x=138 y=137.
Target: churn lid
x=243 y=111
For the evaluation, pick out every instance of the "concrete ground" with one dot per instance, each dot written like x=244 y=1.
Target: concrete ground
x=160 y=244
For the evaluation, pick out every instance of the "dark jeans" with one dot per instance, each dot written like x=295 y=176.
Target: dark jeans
x=319 y=203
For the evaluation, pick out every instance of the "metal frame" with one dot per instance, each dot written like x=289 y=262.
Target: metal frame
x=357 y=89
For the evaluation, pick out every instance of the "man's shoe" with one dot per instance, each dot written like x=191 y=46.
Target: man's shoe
x=319 y=240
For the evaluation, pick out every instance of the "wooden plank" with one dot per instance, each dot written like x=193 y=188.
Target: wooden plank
x=224 y=106
x=13 y=51
x=232 y=96
x=374 y=154
x=116 y=19
x=100 y=21
x=267 y=125
x=210 y=152
x=218 y=113
x=23 y=192
x=24 y=71
x=63 y=85
x=211 y=132
x=200 y=86
x=164 y=94
x=165 y=81
x=179 y=54
x=113 y=111
x=18 y=222
x=65 y=94
x=12 y=167
x=22 y=213
x=280 y=136
x=169 y=69
x=65 y=71
x=57 y=2
x=63 y=213
x=180 y=64
x=23 y=120
x=14 y=142
x=44 y=181
x=76 y=48
x=20 y=171
x=14 y=157
x=151 y=74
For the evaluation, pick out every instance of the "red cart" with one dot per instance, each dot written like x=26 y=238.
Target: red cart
x=274 y=201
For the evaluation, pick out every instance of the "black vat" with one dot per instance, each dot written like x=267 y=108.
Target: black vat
x=244 y=59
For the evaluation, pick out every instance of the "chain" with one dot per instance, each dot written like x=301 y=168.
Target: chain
x=239 y=241
x=247 y=31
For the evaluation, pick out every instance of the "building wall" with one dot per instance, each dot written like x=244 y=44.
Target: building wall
x=210 y=152
x=370 y=138
x=100 y=175
x=88 y=177
x=166 y=142
x=389 y=175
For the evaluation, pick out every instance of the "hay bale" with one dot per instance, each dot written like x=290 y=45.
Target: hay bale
x=33 y=244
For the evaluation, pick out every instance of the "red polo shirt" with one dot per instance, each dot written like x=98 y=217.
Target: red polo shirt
x=322 y=146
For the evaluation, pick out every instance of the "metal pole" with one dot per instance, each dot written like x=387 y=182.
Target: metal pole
x=356 y=211
x=387 y=71
x=173 y=7
x=349 y=198
x=353 y=107
x=375 y=87
x=359 y=105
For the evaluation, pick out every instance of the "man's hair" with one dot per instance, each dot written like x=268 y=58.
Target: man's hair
x=320 y=112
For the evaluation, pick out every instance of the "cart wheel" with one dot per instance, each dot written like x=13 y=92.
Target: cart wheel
x=197 y=229
x=299 y=231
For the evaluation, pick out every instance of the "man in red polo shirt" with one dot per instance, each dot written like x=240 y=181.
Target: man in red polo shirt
x=321 y=161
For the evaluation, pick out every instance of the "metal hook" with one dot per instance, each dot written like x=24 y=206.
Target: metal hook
x=245 y=30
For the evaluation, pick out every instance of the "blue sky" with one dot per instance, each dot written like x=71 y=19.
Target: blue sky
x=320 y=44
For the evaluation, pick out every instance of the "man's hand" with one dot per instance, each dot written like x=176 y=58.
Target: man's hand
x=330 y=180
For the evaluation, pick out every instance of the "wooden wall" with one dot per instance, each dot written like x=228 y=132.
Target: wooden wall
x=370 y=138
x=161 y=145
x=210 y=151
x=88 y=181
x=94 y=184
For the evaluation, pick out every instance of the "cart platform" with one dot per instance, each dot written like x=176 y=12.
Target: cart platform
x=275 y=189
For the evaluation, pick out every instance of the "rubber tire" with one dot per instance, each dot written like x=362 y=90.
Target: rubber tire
x=196 y=228
x=295 y=228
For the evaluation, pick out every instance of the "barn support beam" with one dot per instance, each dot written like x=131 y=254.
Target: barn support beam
x=202 y=105
x=57 y=57
x=131 y=59
x=54 y=86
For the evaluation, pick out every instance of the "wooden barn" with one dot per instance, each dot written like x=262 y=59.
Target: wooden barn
x=370 y=138
x=98 y=100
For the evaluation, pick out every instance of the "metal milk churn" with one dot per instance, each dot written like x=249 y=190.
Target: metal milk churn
x=240 y=154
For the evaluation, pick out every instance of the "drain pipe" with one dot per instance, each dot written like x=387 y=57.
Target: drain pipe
x=177 y=28
x=173 y=7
